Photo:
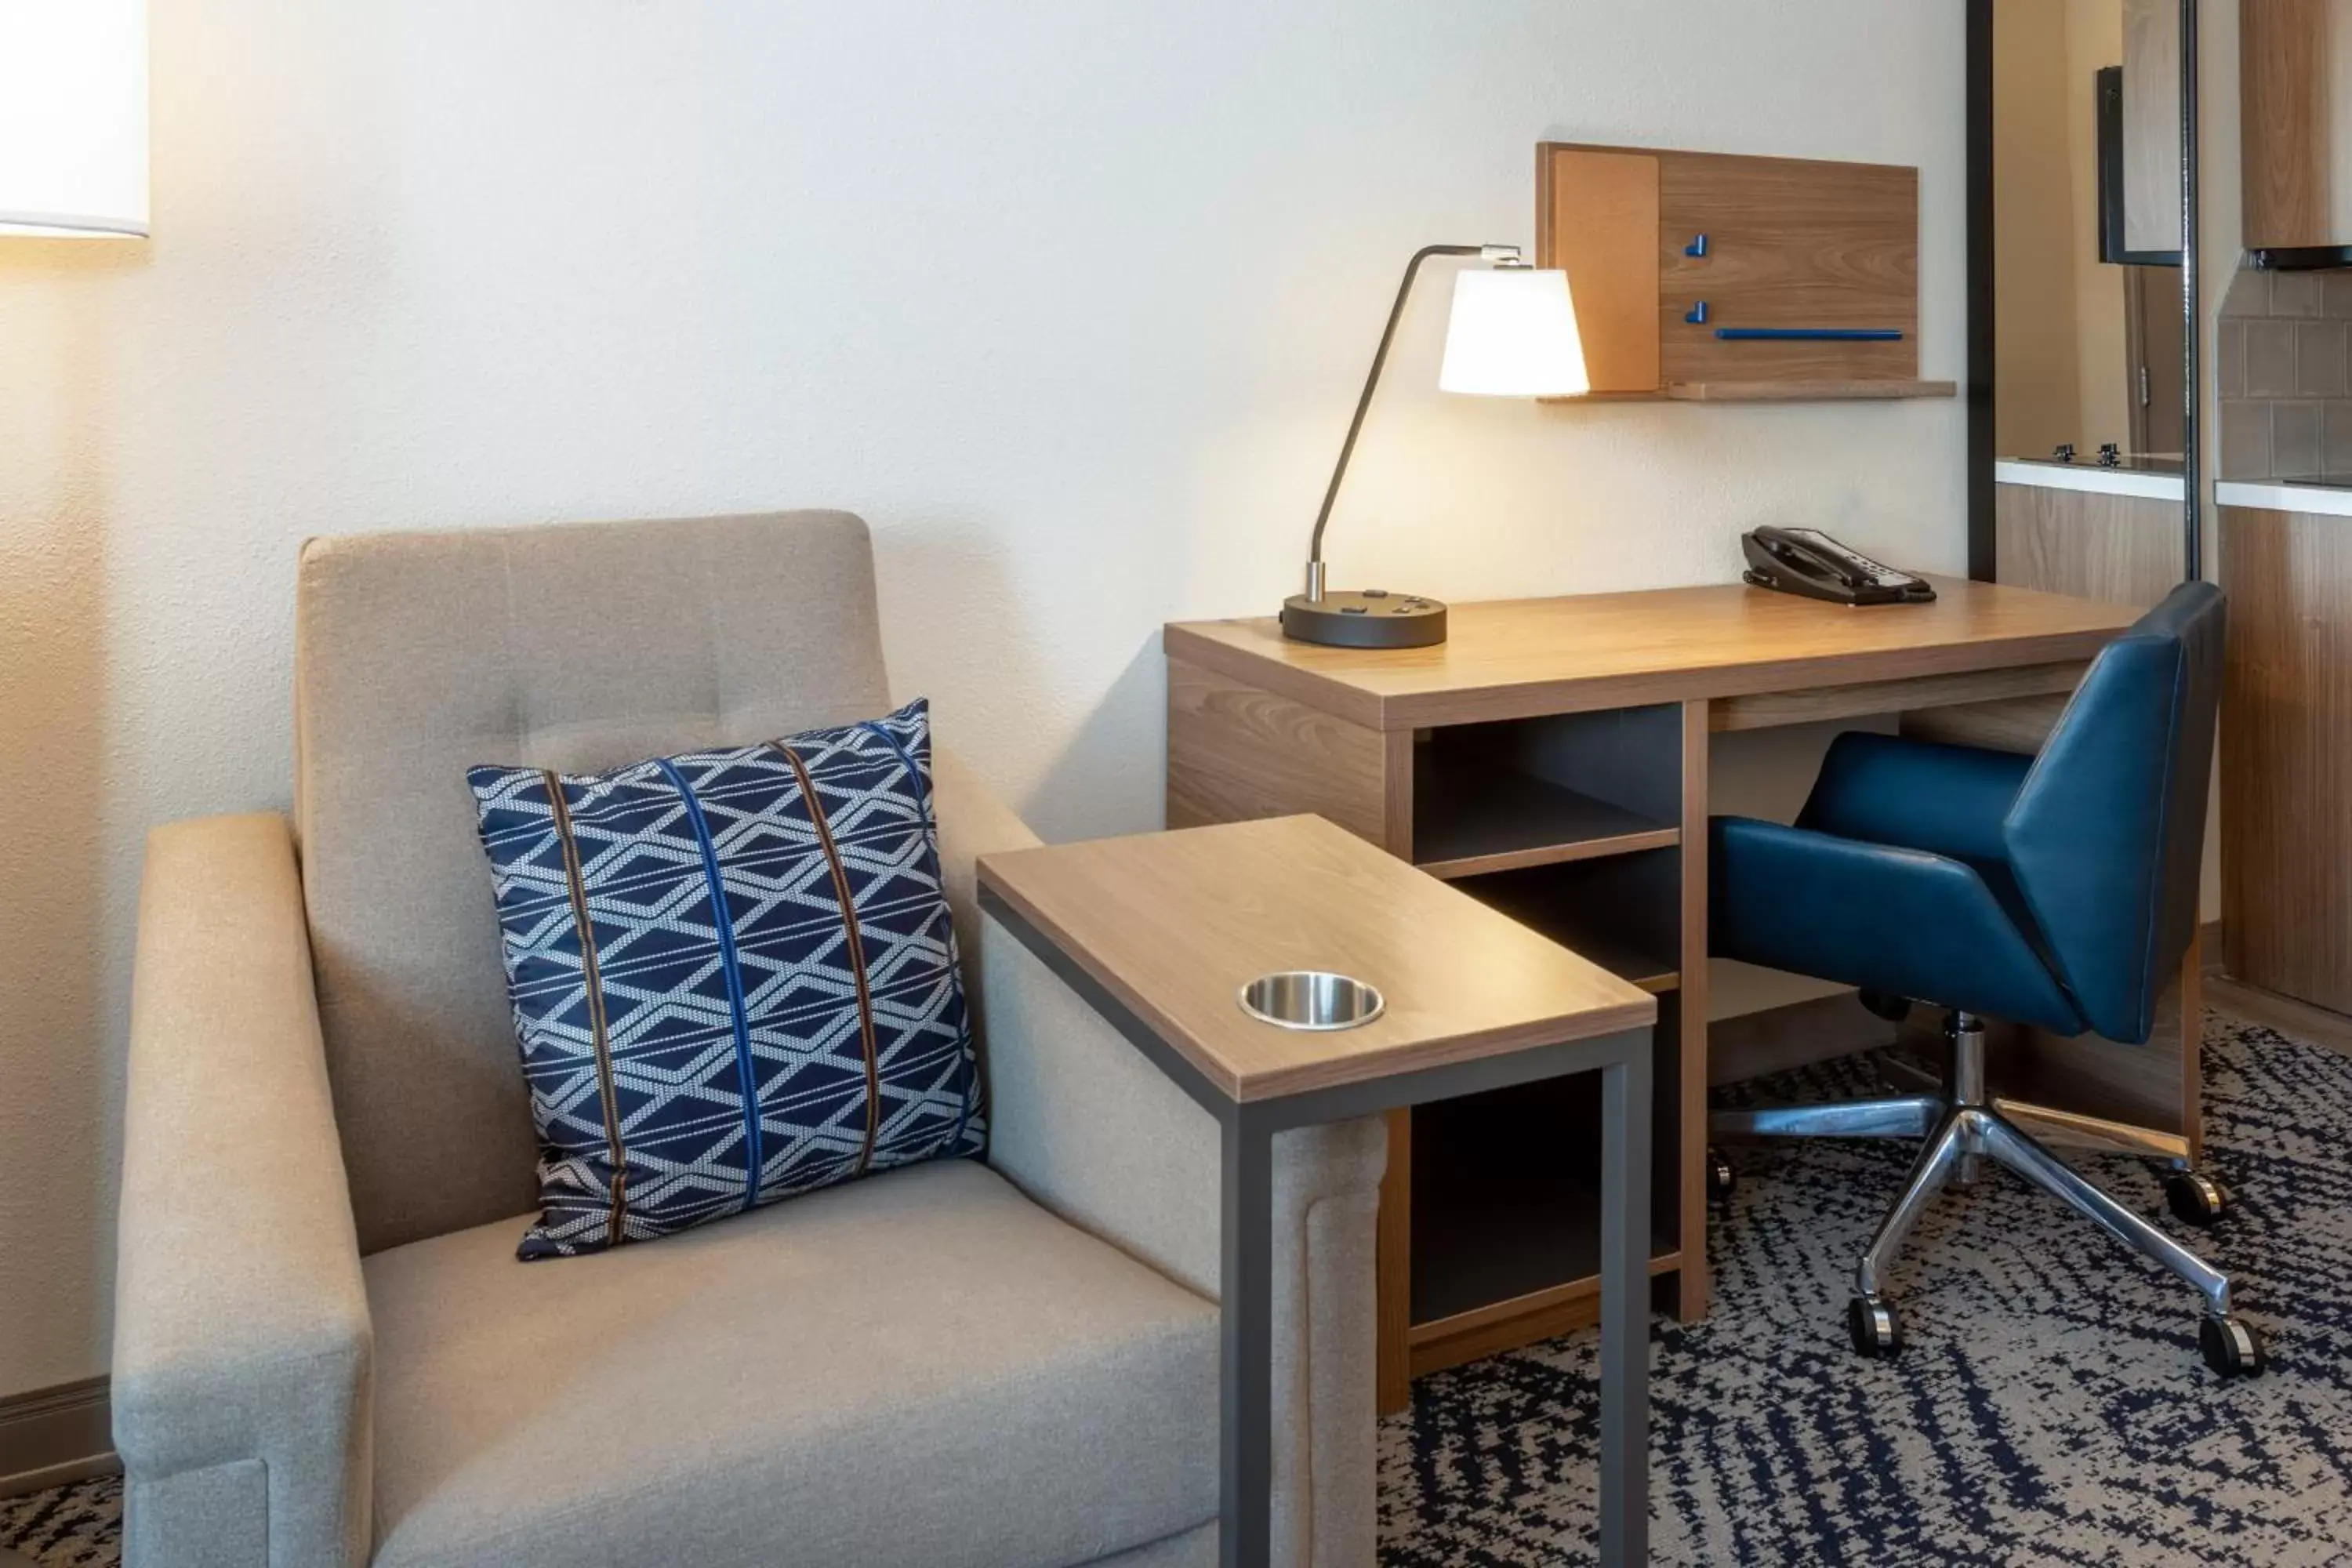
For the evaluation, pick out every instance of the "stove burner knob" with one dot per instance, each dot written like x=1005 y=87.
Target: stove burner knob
x=2111 y=455
x=2065 y=452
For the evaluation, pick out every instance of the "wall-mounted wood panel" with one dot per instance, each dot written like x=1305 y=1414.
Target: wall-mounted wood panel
x=1792 y=244
x=1608 y=245
x=1807 y=272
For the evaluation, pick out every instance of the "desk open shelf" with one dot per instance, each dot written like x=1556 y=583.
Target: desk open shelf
x=1469 y=821
x=1506 y=1219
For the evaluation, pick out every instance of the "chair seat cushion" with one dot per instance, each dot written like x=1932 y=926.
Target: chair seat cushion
x=924 y=1367
x=734 y=977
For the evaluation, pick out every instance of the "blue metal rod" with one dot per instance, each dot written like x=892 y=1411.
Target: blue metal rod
x=1784 y=334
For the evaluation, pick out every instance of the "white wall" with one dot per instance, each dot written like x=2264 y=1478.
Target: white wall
x=1069 y=297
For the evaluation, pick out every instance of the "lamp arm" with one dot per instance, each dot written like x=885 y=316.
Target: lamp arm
x=1364 y=404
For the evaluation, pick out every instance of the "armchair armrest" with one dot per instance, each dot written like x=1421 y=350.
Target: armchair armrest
x=1084 y=1125
x=1947 y=800
x=242 y=1341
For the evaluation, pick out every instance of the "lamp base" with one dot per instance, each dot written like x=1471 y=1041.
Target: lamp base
x=1373 y=618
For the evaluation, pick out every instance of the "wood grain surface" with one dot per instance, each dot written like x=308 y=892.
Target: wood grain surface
x=1237 y=753
x=2286 y=755
x=2294 y=80
x=2119 y=550
x=1523 y=658
x=2152 y=123
x=1173 y=924
x=1790 y=243
x=1597 y=219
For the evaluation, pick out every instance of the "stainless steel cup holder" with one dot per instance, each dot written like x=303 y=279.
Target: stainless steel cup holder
x=1311 y=999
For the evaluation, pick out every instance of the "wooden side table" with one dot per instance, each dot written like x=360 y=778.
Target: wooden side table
x=1160 y=934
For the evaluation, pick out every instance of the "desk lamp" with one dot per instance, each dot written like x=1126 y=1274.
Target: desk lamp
x=1512 y=334
x=73 y=118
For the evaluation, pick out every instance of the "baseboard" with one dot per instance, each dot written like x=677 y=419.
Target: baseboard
x=53 y=1436
x=2305 y=1021
x=1751 y=1045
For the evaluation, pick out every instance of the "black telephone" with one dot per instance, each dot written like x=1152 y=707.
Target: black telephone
x=1807 y=561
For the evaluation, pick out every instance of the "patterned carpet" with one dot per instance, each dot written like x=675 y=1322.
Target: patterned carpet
x=78 y=1526
x=2052 y=1409
x=2050 y=1413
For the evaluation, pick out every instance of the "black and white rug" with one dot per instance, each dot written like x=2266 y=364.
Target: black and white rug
x=2052 y=1411
x=2052 y=1408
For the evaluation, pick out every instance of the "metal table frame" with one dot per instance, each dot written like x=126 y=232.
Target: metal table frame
x=1245 y=1284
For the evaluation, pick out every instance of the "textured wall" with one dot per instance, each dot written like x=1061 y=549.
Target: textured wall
x=1069 y=297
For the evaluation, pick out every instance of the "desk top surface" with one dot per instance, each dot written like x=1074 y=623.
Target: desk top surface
x=1515 y=658
x=1173 y=924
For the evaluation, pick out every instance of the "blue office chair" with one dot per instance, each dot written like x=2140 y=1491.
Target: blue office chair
x=2059 y=890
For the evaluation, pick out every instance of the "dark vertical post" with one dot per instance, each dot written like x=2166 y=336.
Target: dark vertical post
x=1246 y=1316
x=2192 y=484
x=1981 y=453
x=1625 y=1307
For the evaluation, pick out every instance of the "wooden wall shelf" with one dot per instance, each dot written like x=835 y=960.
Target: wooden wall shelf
x=1712 y=278
x=1776 y=392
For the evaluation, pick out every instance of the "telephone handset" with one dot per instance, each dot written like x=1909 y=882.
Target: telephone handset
x=1807 y=561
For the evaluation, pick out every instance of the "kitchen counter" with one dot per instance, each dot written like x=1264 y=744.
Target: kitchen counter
x=2089 y=477
x=2311 y=497
x=2305 y=496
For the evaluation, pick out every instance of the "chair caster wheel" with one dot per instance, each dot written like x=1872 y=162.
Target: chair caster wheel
x=1721 y=1179
x=1877 y=1332
x=2233 y=1346
x=2196 y=1198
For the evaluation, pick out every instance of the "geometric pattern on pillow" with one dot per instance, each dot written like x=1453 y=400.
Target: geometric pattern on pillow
x=733 y=975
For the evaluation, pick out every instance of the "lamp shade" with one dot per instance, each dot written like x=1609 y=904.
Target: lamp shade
x=1513 y=335
x=73 y=117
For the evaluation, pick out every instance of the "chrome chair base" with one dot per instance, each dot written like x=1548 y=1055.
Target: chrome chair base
x=1963 y=1127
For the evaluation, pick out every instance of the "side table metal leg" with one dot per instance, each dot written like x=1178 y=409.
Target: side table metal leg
x=1245 y=1293
x=1626 y=1310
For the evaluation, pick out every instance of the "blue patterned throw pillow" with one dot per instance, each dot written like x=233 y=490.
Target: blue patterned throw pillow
x=733 y=977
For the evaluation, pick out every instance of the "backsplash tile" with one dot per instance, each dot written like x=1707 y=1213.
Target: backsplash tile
x=2294 y=294
x=2296 y=452
x=2337 y=446
x=2246 y=440
x=2284 y=376
x=2230 y=373
x=2248 y=294
x=2270 y=359
x=2319 y=359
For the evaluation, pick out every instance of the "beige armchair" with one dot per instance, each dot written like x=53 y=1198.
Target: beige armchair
x=325 y=1351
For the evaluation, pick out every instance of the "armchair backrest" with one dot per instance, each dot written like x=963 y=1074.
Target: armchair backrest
x=575 y=648
x=2107 y=835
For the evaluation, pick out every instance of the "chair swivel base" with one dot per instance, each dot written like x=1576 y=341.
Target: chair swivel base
x=1961 y=1128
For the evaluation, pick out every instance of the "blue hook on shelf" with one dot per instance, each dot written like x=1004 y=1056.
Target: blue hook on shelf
x=1697 y=317
x=1696 y=247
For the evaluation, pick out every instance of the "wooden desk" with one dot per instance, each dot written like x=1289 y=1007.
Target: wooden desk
x=1159 y=933
x=1551 y=760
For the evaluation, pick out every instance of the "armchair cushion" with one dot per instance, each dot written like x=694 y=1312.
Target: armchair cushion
x=921 y=1368
x=734 y=977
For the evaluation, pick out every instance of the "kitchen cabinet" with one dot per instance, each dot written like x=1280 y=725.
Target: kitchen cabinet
x=2152 y=123
x=2295 y=60
x=2287 y=746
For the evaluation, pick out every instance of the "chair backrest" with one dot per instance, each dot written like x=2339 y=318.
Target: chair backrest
x=576 y=649
x=2107 y=836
